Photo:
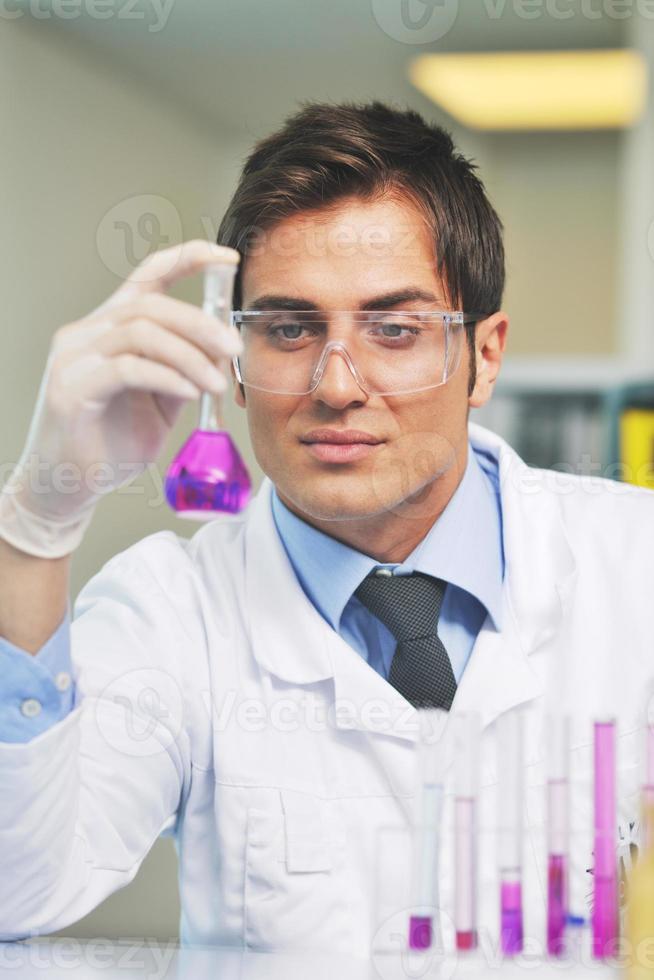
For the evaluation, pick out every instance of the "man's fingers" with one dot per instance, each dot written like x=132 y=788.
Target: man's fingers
x=152 y=341
x=115 y=374
x=161 y=269
x=216 y=339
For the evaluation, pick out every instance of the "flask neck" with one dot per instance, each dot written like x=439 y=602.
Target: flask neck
x=210 y=413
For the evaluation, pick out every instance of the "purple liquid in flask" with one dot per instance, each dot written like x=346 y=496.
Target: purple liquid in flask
x=208 y=476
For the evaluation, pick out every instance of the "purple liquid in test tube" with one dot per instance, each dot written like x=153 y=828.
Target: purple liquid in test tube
x=420 y=930
x=424 y=926
x=510 y=742
x=605 y=876
x=511 y=917
x=557 y=831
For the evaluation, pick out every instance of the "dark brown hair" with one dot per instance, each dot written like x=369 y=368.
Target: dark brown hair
x=325 y=152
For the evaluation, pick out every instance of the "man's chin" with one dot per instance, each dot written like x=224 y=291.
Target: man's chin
x=336 y=500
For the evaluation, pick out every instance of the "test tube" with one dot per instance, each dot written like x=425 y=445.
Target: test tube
x=465 y=829
x=605 y=872
x=510 y=804
x=648 y=776
x=558 y=797
x=426 y=830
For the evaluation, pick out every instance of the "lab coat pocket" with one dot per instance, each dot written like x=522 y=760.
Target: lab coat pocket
x=294 y=876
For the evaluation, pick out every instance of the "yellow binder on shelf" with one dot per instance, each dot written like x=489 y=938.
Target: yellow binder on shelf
x=637 y=446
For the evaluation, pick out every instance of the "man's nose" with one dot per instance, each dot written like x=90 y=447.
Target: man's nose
x=338 y=386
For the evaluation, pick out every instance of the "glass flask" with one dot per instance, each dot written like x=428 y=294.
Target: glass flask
x=208 y=476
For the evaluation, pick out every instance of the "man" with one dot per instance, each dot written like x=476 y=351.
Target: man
x=252 y=691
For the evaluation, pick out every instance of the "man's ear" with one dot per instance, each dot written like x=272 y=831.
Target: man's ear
x=490 y=341
x=239 y=390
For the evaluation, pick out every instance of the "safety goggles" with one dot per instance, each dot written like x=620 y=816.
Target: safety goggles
x=388 y=352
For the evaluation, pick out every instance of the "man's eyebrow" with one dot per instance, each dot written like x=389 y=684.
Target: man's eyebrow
x=383 y=302
x=388 y=300
x=271 y=302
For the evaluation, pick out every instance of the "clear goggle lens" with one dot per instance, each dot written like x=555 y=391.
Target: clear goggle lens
x=389 y=353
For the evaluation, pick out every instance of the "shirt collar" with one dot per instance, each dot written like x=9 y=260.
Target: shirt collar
x=463 y=547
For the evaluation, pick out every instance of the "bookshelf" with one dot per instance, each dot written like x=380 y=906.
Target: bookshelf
x=590 y=416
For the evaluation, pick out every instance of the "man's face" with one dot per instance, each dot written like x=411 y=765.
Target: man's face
x=342 y=258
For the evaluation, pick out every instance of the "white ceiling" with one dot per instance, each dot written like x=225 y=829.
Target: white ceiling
x=245 y=64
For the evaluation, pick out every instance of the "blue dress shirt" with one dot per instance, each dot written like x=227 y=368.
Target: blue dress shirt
x=35 y=690
x=464 y=548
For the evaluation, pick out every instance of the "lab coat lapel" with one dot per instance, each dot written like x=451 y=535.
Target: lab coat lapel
x=540 y=575
x=367 y=702
x=539 y=585
x=291 y=639
x=293 y=642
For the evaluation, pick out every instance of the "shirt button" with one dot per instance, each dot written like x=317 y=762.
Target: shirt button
x=62 y=681
x=31 y=707
x=385 y=572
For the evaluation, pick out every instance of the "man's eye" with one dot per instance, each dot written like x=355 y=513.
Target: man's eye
x=288 y=331
x=392 y=329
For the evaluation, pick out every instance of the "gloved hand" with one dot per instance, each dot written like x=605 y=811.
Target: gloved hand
x=114 y=385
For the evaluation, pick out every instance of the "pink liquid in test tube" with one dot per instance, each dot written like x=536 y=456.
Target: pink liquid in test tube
x=650 y=755
x=557 y=905
x=465 y=881
x=465 y=830
x=605 y=878
x=648 y=783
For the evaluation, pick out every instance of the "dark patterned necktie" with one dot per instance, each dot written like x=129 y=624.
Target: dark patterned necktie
x=409 y=606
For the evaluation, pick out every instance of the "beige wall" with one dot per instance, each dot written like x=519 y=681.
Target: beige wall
x=557 y=194
x=81 y=137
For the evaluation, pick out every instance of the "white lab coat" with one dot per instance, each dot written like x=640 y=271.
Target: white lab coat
x=216 y=704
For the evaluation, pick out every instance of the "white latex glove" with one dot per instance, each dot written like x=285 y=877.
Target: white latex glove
x=114 y=385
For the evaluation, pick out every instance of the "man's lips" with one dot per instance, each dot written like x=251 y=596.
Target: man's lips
x=341 y=437
x=340 y=445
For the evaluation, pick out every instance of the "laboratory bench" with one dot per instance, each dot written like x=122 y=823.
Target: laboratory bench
x=68 y=959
